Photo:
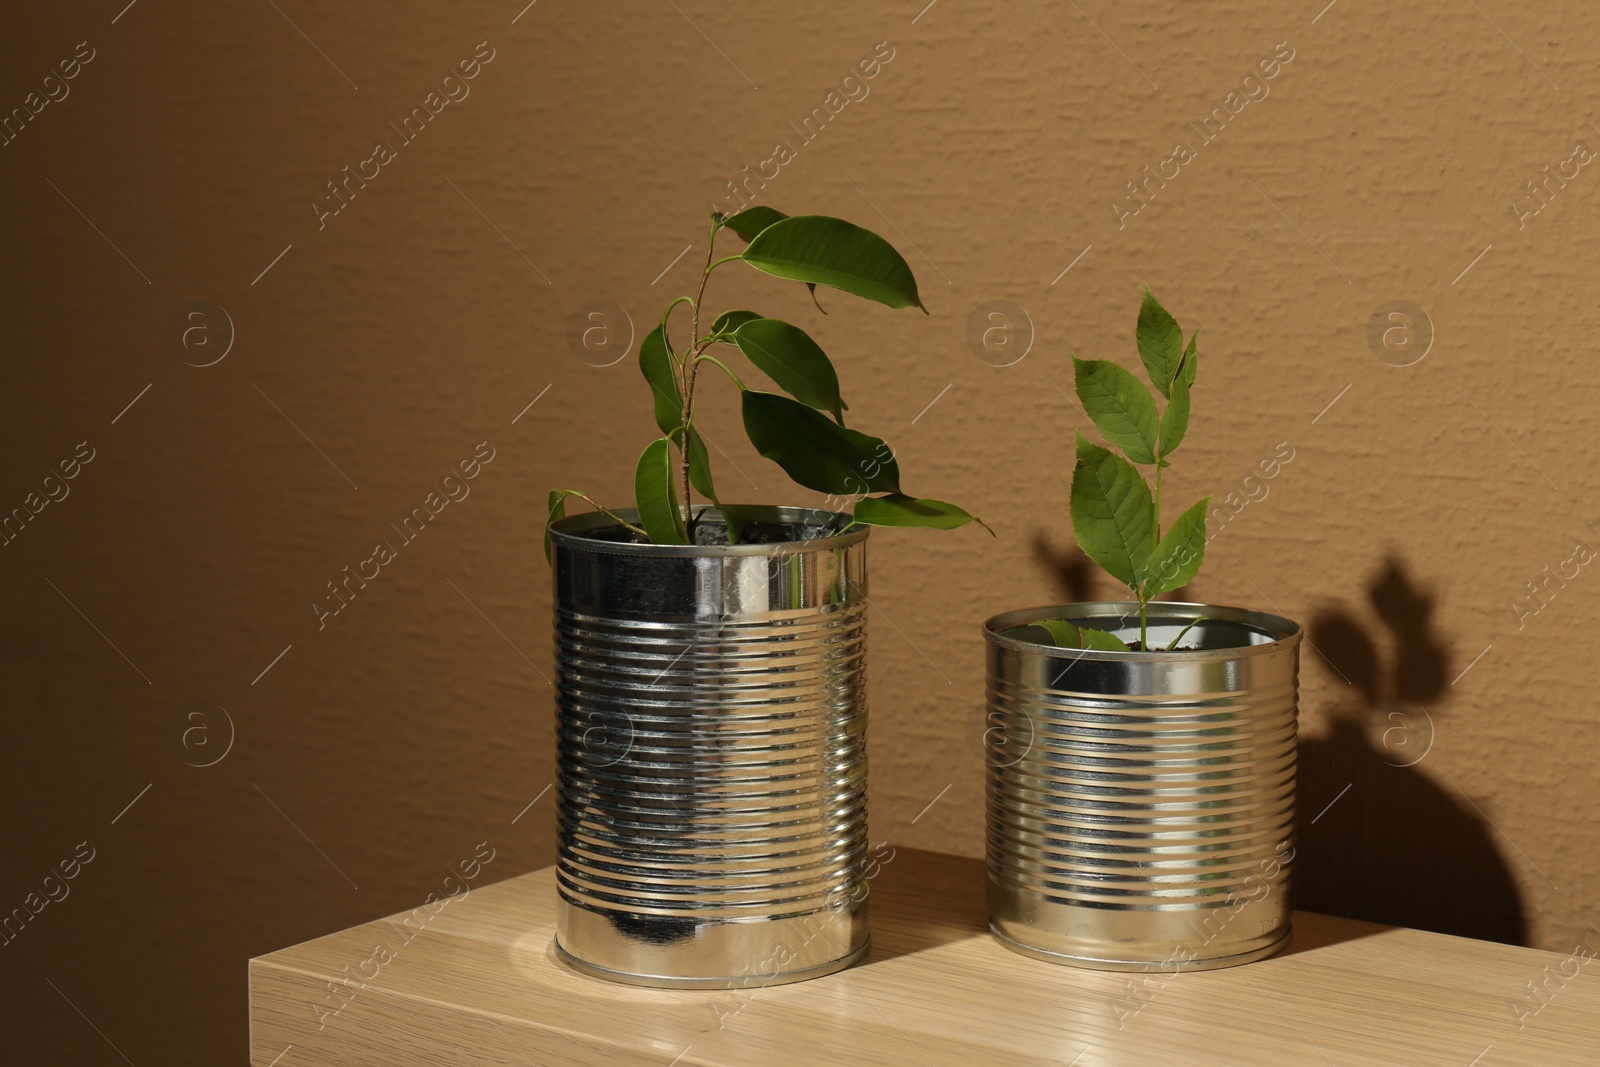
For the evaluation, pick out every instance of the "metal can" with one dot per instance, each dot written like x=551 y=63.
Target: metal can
x=1141 y=804
x=711 y=716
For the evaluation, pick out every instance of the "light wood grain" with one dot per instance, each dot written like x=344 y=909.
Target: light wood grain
x=479 y=985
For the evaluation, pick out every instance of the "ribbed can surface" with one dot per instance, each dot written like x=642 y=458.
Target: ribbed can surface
x=711 y=719
x=1141 y=805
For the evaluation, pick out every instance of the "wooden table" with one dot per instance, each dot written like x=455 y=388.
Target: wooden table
x=478 y=984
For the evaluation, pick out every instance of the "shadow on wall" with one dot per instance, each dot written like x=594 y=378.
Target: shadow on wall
x=1070 y=570
x=1075 y=577
x=1379 y=839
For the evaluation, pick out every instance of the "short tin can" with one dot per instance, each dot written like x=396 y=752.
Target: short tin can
x=1141 y=804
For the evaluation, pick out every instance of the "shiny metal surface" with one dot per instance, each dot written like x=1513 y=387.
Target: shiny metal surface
x=1141 y=804
x=711 y=717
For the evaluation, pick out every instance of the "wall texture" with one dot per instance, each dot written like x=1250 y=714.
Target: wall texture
x=163 y=608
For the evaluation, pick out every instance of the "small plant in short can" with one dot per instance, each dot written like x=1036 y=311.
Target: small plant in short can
x=1116 y=513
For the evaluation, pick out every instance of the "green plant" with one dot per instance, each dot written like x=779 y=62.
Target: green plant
x=1115 y=515
x=803 y=432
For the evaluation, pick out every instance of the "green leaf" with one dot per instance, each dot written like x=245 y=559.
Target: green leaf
x=1178 y=556
x=814 y=450
x=1101 y=641
x=1062 y=632
x=558 y=511
x=897 y=509
x=700 y=465
x=829 y=251
x=729 y=321
x=1112 y=513
x=655 y=494
x=1120 y=406
x=789 y=356
x=1069 y=635
x=1160 y=342
x=751 y=221
x=656 y=364
x=1175 y=420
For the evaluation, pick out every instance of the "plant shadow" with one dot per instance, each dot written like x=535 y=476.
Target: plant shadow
x=1379 y=839
x=1076 y=578
x=1070 y=570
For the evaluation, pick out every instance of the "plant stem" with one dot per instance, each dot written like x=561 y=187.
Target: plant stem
x=1144 y=601
x=725 y=368
x=611 y=514
x=1174 y=642
x=690 y=370
x=1156 y=538
x=667 y=314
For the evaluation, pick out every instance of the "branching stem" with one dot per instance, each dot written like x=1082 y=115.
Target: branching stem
x=725 y=368
x=1174 y=642
x=691 y=367
x=1144 y=599
x=618 y=519
x=667 y=314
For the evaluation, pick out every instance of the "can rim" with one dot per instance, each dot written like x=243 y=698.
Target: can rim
x=569 y=533
x=1280 y=632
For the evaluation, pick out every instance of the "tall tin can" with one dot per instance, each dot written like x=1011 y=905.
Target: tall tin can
x=711 y=716
x=1141 y=804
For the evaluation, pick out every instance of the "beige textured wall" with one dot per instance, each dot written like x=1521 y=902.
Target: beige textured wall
x=1382 y=165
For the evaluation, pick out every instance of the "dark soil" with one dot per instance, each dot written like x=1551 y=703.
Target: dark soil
x=1133 y=646
x=710 y=532
x=754 y=533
